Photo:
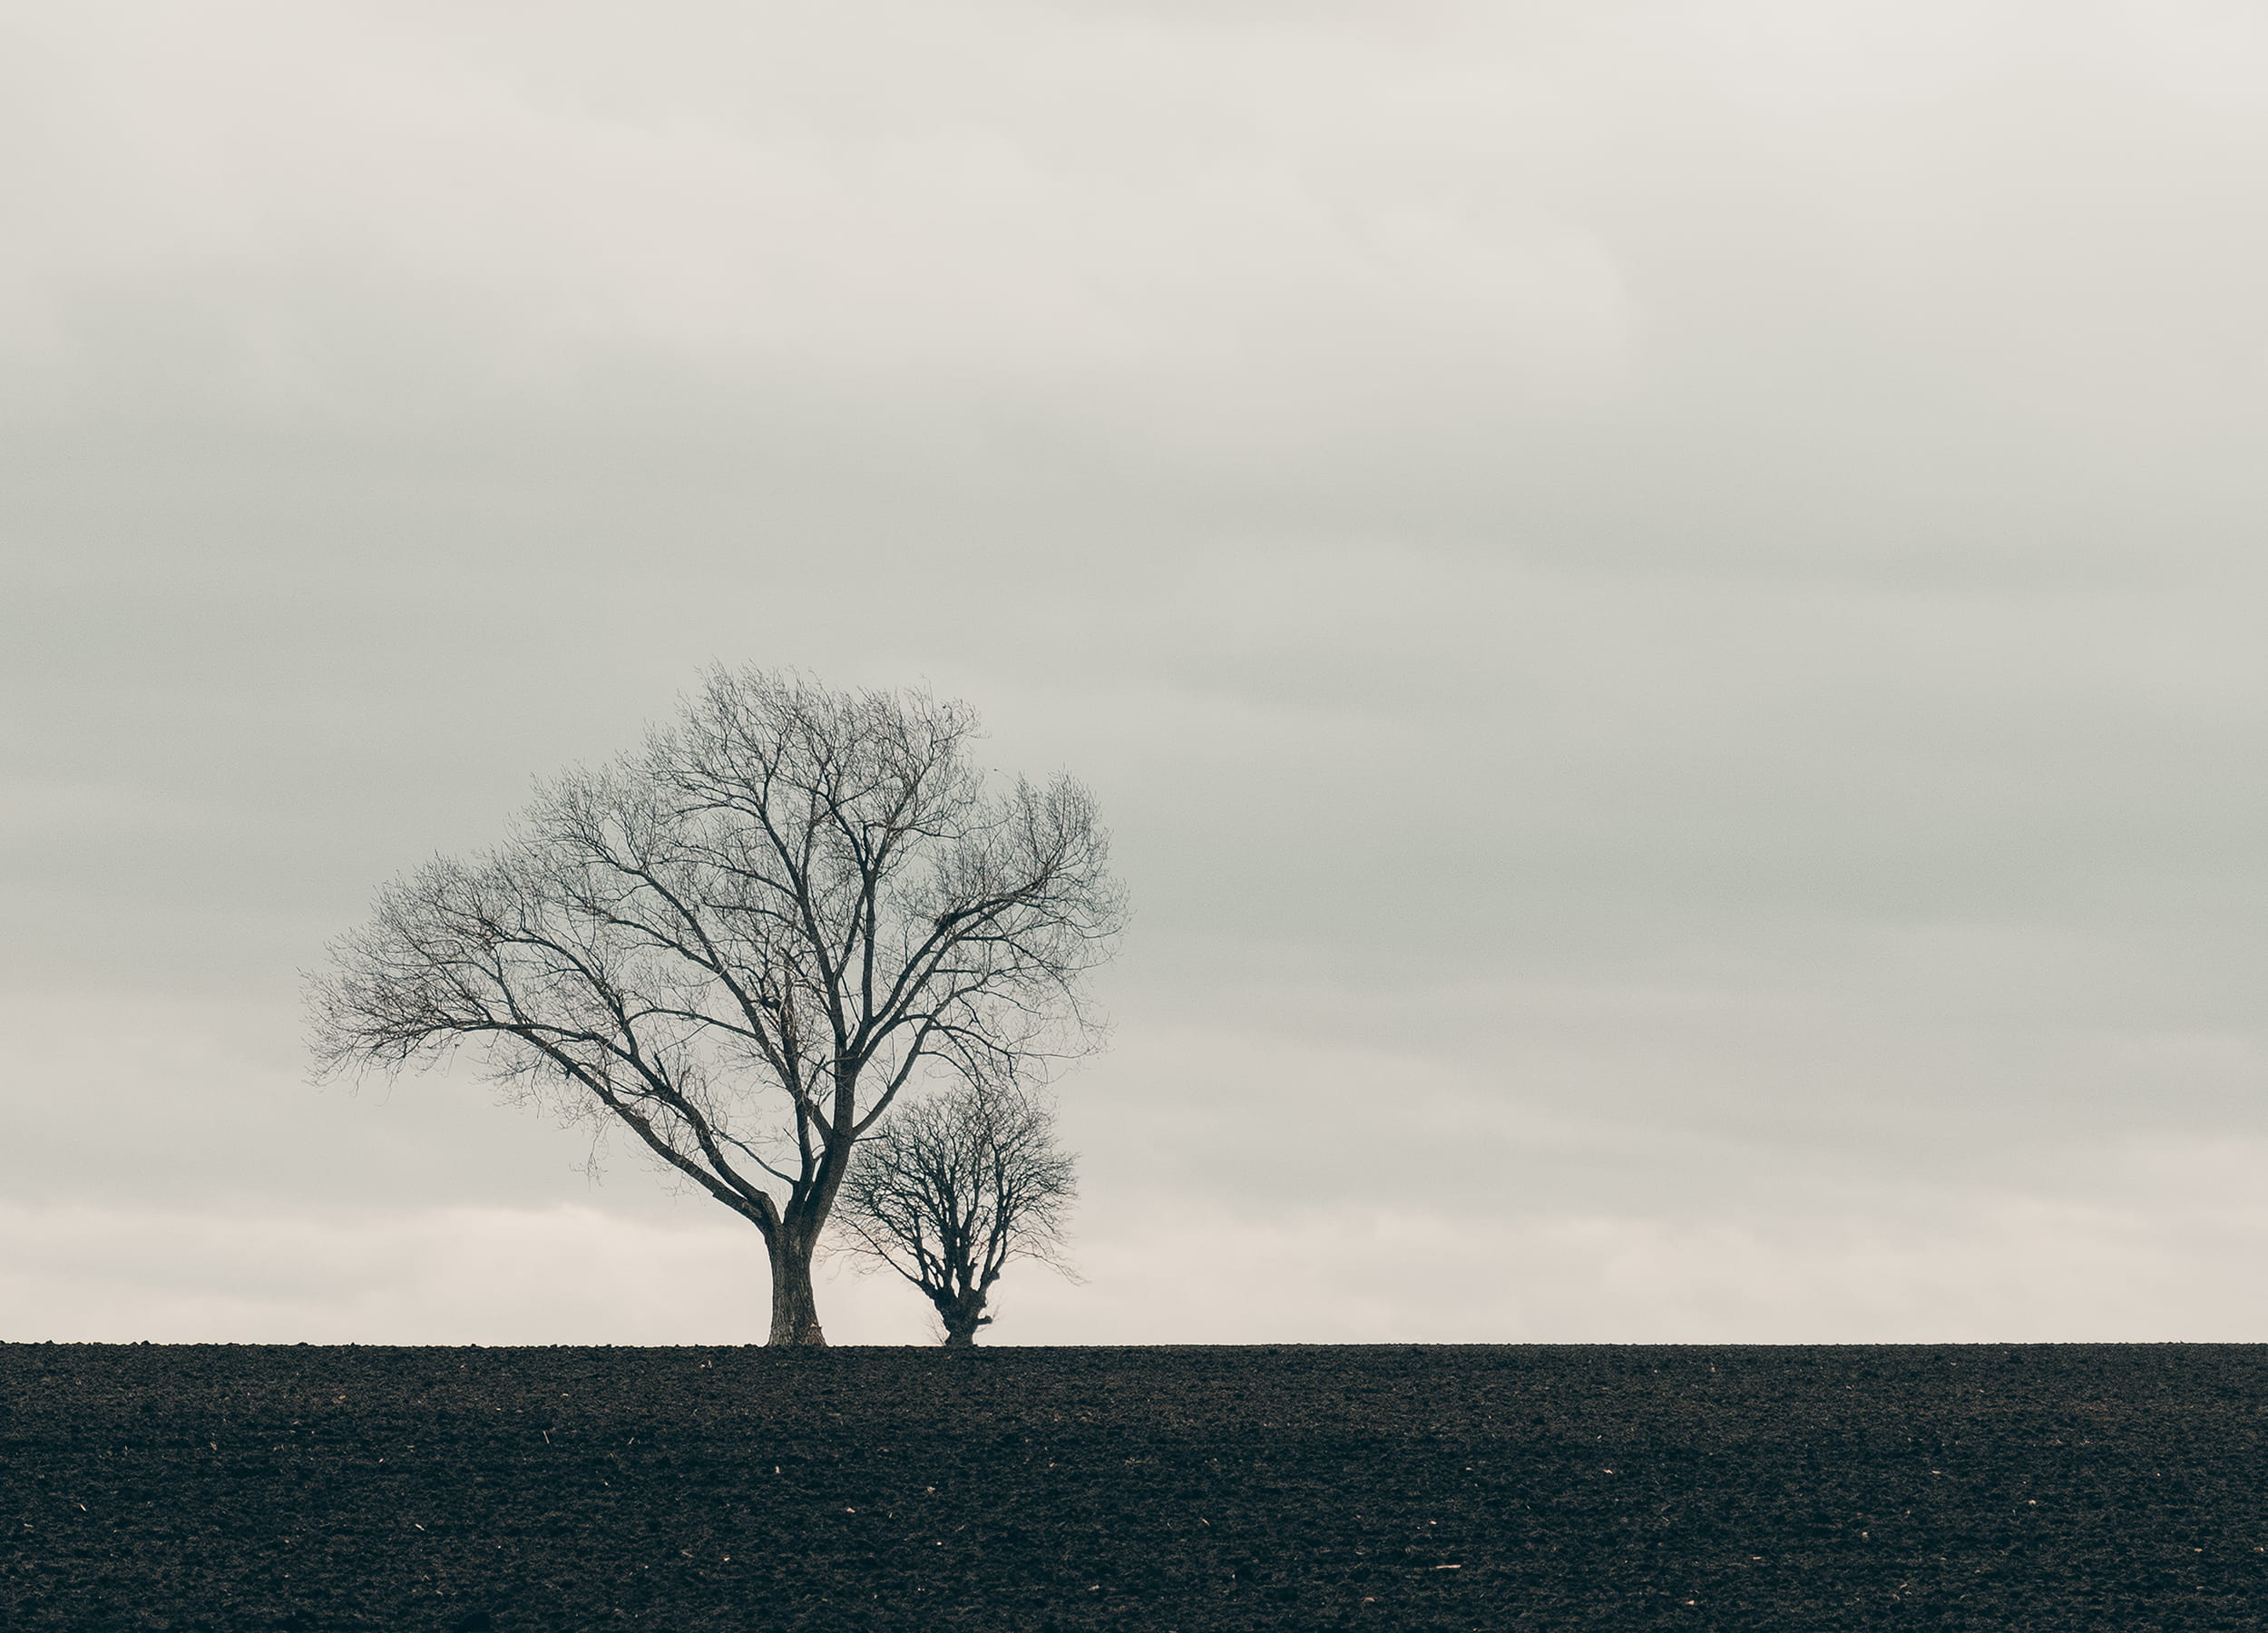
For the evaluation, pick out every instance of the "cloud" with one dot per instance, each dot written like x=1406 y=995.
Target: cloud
x=886 y=222
x=1662 y=603
x=2012 y=1272
x=442 y=1275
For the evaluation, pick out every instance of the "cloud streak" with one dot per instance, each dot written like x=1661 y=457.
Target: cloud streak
x=1664 y=604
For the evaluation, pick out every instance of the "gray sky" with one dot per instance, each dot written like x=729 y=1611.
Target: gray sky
x=1664 y=602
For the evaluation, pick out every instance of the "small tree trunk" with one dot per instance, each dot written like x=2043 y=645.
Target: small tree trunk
x=794 y=1312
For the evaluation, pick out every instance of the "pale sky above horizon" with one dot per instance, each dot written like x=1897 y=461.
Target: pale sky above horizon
x=1664 y=602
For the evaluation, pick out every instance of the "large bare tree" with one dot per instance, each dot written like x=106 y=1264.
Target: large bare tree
x=745 y=942
x=949 y=1189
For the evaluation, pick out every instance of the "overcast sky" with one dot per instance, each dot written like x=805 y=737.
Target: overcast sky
x=1664 y=601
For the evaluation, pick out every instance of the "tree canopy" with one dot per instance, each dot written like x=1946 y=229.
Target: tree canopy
x=743 y=941
x=949 y=1189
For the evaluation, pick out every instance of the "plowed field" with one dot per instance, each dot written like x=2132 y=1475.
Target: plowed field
x=2064 y=1488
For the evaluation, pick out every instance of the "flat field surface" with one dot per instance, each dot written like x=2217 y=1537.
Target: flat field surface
x=2052 y=1487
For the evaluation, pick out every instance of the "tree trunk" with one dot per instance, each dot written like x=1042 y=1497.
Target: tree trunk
x=962 y=1316
x=794 y=1312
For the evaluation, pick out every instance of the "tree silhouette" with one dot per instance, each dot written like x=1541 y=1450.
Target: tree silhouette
x=947 y=1191
x=745 y=942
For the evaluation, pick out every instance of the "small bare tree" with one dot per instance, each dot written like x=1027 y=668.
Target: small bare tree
x=948 y=1190
x=745 y=942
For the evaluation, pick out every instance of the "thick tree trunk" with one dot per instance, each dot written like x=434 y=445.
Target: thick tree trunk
x=794 y=1312
x=962 y=1317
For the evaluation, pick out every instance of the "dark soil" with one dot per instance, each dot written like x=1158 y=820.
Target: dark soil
x=2052 y=1486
